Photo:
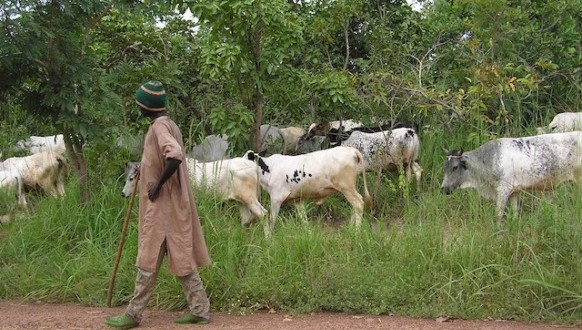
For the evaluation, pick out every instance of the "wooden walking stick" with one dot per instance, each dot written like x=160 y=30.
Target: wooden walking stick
x=122 y=242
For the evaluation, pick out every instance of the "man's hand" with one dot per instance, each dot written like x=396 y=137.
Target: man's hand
x=170 y=168
x=154 y=192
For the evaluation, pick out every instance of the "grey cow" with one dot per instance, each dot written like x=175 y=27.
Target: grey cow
x=501 y=168
x=213 y=148
x=387 y=150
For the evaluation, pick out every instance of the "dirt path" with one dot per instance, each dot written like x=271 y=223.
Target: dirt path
x=23 y=315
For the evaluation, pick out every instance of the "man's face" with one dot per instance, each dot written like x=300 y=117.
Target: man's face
x=144 y=113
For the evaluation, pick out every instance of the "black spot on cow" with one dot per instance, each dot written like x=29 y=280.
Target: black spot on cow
x=251 y=156
x=295 y=174
x=521 y=144
x=264 y=167
x=286 y=178
x=310 y=175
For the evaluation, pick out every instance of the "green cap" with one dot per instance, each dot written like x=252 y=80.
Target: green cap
x=151 y=96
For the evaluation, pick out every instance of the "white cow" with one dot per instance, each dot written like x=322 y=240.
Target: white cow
x=566 y=122
x=563 y=122
x=232 y=179
x=44 y=170
x=501 y=168
x=314 y=175
x=36 y=144
x=387 y=150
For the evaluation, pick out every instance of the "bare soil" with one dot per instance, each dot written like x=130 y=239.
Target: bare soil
x=25 y=315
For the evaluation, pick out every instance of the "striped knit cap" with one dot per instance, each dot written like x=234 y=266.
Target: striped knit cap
x=151 y=96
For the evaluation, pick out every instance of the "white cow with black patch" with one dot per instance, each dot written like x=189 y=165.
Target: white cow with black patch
x=317 y=175
x=232 y=179
x=501 y=168
x=388 y=150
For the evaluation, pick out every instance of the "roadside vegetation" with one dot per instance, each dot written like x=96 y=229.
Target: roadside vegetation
x=464 y=72
x=424 y=254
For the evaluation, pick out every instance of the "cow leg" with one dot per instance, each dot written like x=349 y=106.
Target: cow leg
x=48 y=186
x=253 y=206
x=21 y=197
x=270 y=223
x=514 y=200
x=503 y=194
x=258 y=210
x=408 y=171
x=245 y=215
x=417 y=170
x=357 y=202
x=60 y=184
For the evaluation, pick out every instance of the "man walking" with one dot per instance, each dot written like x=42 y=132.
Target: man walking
x=168 y=220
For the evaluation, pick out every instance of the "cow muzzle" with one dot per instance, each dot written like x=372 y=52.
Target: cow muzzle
x=446 y=190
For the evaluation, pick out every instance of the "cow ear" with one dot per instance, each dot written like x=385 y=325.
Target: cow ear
x=461 y=151
x=445 y=150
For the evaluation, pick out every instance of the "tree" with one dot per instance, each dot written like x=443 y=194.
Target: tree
x=246 y=43
x=43 y=60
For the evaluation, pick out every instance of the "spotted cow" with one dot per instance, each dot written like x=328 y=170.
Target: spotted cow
x=317 y=175
x=501 y=168
x=388 y=150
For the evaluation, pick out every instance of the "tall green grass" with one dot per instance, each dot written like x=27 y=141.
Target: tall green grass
x=418 y=254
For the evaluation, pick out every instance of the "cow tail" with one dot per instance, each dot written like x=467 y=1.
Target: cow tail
x=367 y=197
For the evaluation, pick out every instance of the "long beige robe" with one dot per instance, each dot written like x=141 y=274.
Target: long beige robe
x=172 y=216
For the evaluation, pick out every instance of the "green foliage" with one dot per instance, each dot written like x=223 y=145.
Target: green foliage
x=427 y=256
x=434 y=261
x=236 y=123
x=332 y=93
x=464 y=71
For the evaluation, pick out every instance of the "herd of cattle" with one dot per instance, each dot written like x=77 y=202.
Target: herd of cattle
x=295 y=163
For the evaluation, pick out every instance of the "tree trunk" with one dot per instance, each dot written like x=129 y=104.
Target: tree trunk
x=77 y=161
x=258 y=109
x=257 y=36
x=347 y=41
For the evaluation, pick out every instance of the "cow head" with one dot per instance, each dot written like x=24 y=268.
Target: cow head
x=307 y=144
x=455 y=169
x=131 y=178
